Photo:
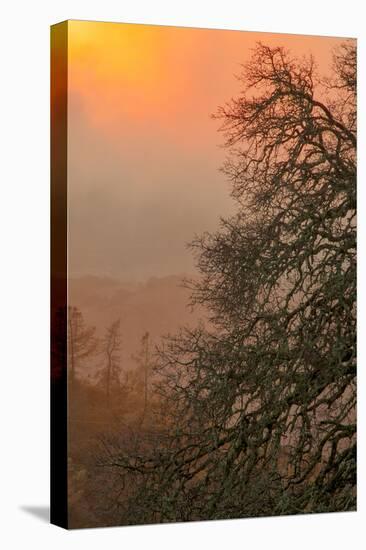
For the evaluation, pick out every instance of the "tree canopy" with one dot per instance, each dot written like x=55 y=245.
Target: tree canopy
x=257 y=413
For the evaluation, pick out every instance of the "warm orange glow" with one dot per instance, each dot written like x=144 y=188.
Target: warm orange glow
x=133 y=72
x=122 y=69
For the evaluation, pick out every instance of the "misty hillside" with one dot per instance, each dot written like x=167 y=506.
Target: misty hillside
x=159 y=306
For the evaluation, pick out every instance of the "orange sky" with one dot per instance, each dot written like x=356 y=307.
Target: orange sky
x=143 y=151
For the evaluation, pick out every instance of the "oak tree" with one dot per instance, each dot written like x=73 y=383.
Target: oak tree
x=261 y=405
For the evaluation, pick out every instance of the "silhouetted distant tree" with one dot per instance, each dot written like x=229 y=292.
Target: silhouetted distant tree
x=110 y=347
x=144 y=366
x=81 y=341
x=260 y=410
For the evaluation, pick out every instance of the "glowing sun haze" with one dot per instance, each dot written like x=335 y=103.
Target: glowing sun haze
x=144 y=155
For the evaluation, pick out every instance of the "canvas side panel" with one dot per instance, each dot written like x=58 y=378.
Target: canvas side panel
x=59 y=41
